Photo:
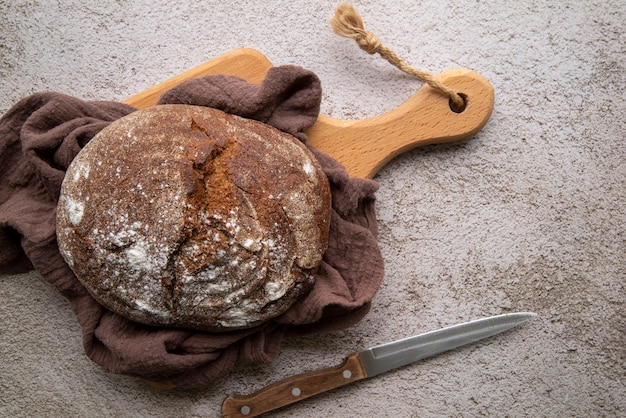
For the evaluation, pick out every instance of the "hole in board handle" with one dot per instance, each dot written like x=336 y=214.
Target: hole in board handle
x=458 y=108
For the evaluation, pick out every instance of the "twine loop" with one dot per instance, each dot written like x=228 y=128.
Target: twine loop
x=348 y=23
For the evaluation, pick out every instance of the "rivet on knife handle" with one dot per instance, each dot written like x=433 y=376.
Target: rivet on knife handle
x=294 y=389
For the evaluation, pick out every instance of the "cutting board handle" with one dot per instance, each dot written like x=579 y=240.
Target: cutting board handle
x=366 y=145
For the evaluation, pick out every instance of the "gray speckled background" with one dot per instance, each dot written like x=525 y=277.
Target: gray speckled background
x=527 y=215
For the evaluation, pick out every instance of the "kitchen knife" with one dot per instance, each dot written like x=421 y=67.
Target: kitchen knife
x=368 y=363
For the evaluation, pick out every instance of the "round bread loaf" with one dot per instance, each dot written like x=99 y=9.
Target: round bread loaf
x=186 y=216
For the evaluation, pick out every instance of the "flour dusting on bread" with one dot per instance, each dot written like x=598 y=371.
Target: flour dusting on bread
x=189 y=217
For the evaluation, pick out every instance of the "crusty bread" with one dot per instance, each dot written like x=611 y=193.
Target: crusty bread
x=186 y=216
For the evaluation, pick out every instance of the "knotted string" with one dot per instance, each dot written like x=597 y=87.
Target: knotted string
x=348 y=23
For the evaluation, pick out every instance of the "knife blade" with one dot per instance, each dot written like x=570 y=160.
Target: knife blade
x=368 y=363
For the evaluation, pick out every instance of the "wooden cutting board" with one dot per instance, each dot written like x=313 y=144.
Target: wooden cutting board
x=366 y=145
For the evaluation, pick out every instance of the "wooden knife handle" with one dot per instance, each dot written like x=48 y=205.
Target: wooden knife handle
x=294 y=389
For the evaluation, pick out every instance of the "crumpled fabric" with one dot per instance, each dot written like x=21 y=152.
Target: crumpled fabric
x=41 y=135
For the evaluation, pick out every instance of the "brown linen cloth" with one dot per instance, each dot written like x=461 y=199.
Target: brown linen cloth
x=40 y=136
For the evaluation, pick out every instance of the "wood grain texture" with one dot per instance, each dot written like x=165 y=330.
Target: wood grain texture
x=364 y=146
x=294 y=389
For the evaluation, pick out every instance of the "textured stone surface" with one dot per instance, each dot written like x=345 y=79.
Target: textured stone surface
x=527 y=215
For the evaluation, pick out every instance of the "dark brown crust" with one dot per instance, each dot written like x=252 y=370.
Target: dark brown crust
x=189 y=217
